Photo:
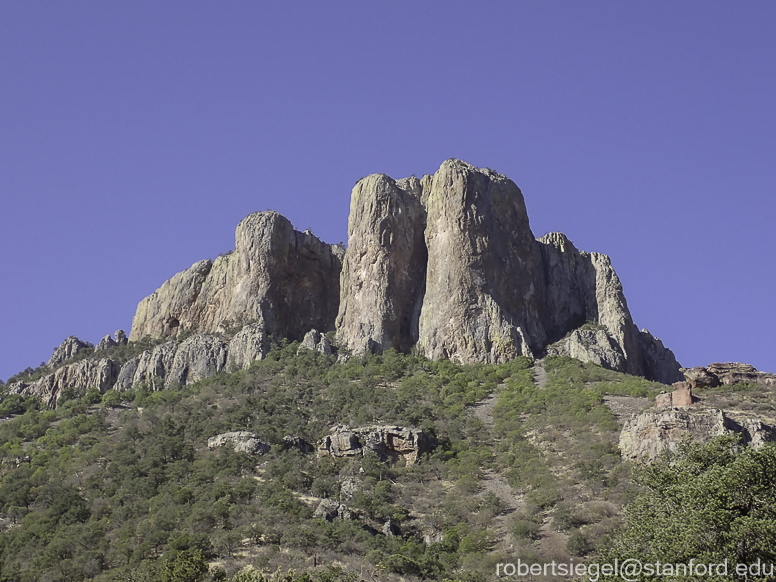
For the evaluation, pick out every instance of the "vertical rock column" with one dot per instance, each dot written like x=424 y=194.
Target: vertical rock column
x=383 y=273
x=484 y=285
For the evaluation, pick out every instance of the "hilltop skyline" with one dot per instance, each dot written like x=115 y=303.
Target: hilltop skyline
x=136 y=137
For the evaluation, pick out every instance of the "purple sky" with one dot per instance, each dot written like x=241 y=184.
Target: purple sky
x=134 y=136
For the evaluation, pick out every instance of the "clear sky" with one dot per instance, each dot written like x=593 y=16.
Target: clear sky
x=134 y=136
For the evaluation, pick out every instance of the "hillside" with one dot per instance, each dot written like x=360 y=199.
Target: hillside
x=526 y=464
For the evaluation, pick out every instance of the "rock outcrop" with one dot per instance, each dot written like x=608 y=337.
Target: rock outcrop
x=286 y=280
x=582 y=287
x=477 y=286
x=80 y=376
x=298 y=443
x=172 y=362
x=108 y=342
x=249 y=344
x=387 y=442
x=718 y=374
x=315 y=341
x=68 y=349
x=384 y=270
x=241 y=441
x=647 y=435
x=484 y=290
x=446 y=266
x=590 y=345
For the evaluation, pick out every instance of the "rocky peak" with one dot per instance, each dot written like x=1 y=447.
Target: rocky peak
x=285 y=279
x=68 y=349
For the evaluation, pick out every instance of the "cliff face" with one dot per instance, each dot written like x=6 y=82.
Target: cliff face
x=285 y=279
x=483 y=298
x=383 y=274
x=446 y=265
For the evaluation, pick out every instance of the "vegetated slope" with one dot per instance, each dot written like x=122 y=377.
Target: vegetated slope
x=113 y=487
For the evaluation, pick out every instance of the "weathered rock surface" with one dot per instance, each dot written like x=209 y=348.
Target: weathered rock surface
x=446 y=265
x=647 y=435
x=680 y=397
x=198 y=357
x=583 y=287
x=284 y=279
x=241 y=441
x=483 y=296
x=330 y=510
x=490 y=291
x=150 y=367
x=384 y=270
x=727 y=373
x=108 y=341
x=388 y=442
x=249 y=344
x=82 y=376
x=315 y=341
x=590 y=345
x=67 y=349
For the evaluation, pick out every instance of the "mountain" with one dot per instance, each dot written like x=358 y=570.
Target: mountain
x=445 y=266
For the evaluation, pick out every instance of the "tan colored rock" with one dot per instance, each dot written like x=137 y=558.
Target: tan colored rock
x=680 y=397
x=483 y=296
x=647 y=435
x=387 y=442
x=248 y=345
x=68 y=349
x=590 y=345
x=170 y=309
x=284 y=279
x=81 y=376
x=384 y=270
x=241 y=441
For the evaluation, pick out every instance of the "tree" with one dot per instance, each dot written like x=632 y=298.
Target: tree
x=710 y=503
x=188 y=566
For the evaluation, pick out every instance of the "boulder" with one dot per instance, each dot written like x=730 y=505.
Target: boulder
x=241 y=441
x=315 y=341
x=108 y=341
x=593 y=345
x=389 y=443
x=68 y=349
x=728 y=373
x=330 y=510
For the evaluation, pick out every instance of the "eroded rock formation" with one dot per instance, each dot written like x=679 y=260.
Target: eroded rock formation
x=84 y=375
x=491 y=291
x=445 y=265
x=282 y=278
x=729 y=373
x=384 y=270
x=645 y=436
x=67 y=349
x=241 y=441
x=387 y=442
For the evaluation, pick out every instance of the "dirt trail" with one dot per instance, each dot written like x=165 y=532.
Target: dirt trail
x=540 y=374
